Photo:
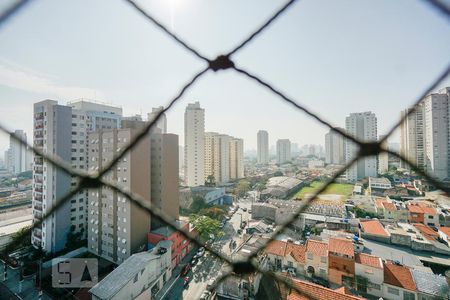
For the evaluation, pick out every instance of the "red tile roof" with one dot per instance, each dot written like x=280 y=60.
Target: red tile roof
x=369 y=260
x=426 y=231
x=373 y=227
x=445 y=230
x=341 y=246
x=389 y=206
x=280 y=248
x=398 y=276
x=422 y=208
x=313 y=291
x=317 y=247
x=379 y=202
x=415 y=209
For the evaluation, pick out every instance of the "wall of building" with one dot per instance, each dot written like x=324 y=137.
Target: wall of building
x=374 y=275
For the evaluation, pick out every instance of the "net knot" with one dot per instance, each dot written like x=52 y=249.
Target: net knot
x=369 y=149
x=222 y=62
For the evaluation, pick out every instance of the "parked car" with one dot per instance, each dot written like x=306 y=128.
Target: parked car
x=186 y=281
x=200 y=252
x=185 y=270
x=244 y=209
x=194 y=260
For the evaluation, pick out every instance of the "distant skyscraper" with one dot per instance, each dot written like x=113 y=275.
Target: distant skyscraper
x=436 y=108
x=362 y=126
x=217 y=156
x=283 y=151
x=412 y=137
x=334 y=148
x=162 y=122
x=263 y=147
x=18 y=155
x=194 y=145
x=383 y=158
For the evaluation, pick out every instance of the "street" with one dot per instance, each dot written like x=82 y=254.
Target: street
x=208 y=267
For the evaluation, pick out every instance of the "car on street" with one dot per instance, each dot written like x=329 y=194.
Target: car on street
x=185 y=270
x=249 y=211
x=194 y=260
x=244 y=208
x=200 y=252
x=186 y=281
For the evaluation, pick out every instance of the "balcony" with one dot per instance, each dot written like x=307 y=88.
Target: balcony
x=38 y=190
x=38 y=160
x=38 y=206
x=39 y=116
x=37 y=198
x=38 y=135
x=39 y=143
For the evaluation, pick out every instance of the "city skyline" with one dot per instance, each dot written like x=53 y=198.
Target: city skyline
x=396 y=78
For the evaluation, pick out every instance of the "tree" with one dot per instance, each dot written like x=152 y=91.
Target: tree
x=197 y=204
x=242 y=188
x=205 y=226
x=214 y=212
x=278 y=173
x=210 y=181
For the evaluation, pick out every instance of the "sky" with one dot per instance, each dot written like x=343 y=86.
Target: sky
x=334 y=57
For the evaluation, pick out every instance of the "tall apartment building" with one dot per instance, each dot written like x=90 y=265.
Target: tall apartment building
x=436 y=116
x=117 y=227
x=334 y=148
x=194 y=145
x=164 y=175
x=84 y=117
x=362 y=126
x=283 y=151
x=18 y=157
x=217 y=156
x=236 y=158
x=412 y=138
x=263 y=147
x=162 y=122
x=52 y=135
x=383 y=158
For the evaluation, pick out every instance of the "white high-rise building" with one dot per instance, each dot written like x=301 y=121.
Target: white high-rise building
x=51 y=134
x=194 y=145
x=236 y=158
x=362 y=126
x=83 y=117
x=18 y=157
x=334 y=148
x=162 y=122
x=412 y=138
x=217 y=157
x=263 y=147
x=436 y=118
x=283 y=151
x=383 y=158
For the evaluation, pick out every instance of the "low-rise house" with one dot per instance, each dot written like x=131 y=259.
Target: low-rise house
x=313 y=291
x=341 y=261
x=444 y=234
x=377 y=186
x=420 y=212
x=426 y=232
x=284 y=255
x=430 y=286
x=398 y=282
x=369 y=267
x=316 y=259
x=181 y=246
x=140 y=276
x=391 y=210
x=374 y=230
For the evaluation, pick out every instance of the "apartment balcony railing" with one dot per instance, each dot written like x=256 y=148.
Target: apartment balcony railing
x=37 y=206
x=38 y=215
x=37 y=197
x=39 y=116
x=38 y=190
x=38 y=143
x=38 y=135
x=38 y=160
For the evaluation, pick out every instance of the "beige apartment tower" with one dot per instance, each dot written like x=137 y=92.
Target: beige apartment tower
x=236 y=158
x=117 y=228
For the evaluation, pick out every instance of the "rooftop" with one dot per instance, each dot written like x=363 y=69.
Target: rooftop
x=369 y=260
x=314 y=291
x=125 y=272
x=317 y=247
x=398 y=275
x=430 y=283
x=341 y=246
x=445 y=230
x=373 y=227
x=283 y=181
x=281 y=248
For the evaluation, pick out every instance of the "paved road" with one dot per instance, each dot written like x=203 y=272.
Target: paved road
x=208 y=266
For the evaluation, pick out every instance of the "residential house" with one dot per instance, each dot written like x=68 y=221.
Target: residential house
x=420 y=212
x=374 y=230
x=140 y=276
x=283 y=255
x=371 y=268
x=391 y=210
x=427 y=232
x=316 y=261
x=398 y=282
x=341 y=261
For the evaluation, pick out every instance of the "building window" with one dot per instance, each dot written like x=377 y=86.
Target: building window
x=408 y=296
x=393 y=291
x=310 y=256
x=323 y=259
